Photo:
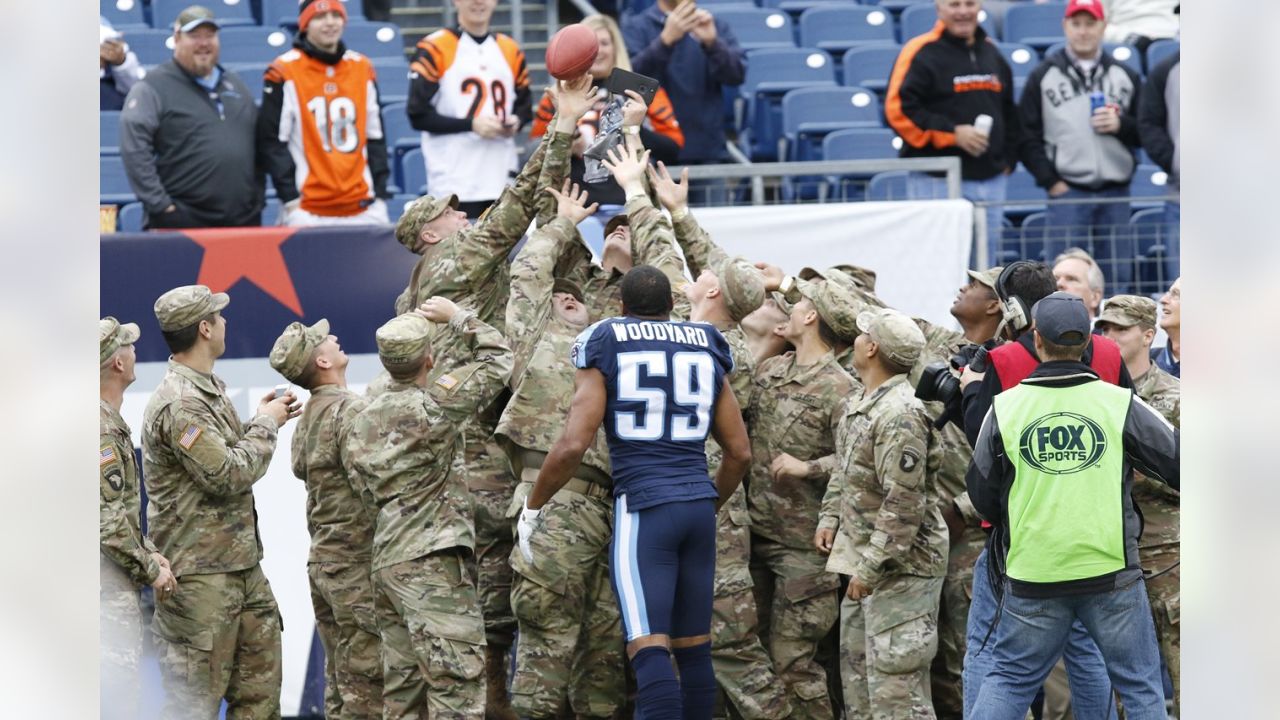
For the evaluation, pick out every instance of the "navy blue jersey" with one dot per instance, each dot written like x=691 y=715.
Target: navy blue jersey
x=663 y=380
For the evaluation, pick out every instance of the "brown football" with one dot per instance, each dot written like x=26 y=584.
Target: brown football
x=572 y=51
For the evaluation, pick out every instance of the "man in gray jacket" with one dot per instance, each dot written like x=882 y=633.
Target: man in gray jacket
x=1079 y=149
x=186 y=135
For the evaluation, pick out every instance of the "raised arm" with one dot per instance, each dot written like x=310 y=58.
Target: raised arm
x=700 y=251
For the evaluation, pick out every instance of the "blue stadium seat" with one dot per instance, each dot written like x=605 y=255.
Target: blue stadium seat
x=840 y=27
x=1022 y=59
x=1034 y=24
x=228 y=12
x=1032 y=237
x=271 y=213
x=1149 y=182
x=1126 y=55
x=758 y=28
x=113 y=185
x=251 y=75
x=715 y=6
x=395 y=206
x=1151 y=244
x=857 y=144
x=413 y=172
x=810 y=113
x=131 y=217
x=869 y=66
x=109 y=131
x=920 y=18
x=285 y=12
x=796 y=7
x=151 y=46
x=393 y=79
x=770 y=74
x=395 y=126
x=375 y=40
x=123 y=14
x=890 y=185
x=1022 y=186
x=253 y=45
x=1159 y=50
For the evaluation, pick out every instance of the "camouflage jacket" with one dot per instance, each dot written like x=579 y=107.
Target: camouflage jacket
x=950 y=452
x=881 y=501
x=1159 y=503
x=120 y=501
x=542 y=381
x=401 y=450
x=733 y=537
x=200 y=463
x=700 y=251
x=341 y=530
x=793 y=410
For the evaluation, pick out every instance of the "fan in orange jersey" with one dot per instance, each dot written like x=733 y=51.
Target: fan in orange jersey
x=661 y=133
x=469 y=94
x=320 y=128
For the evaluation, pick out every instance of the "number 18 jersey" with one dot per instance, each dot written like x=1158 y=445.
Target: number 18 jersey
x=663 y=380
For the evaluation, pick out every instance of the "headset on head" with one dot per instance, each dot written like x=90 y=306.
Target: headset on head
x=1017 y=316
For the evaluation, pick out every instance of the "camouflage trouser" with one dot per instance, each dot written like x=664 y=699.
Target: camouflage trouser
x=432 y=638
x=570 y=631
x=797 y=604
x=953 y=619
x=488 y=475
x=219 y=637
x=741 y=664
x=120 y=642
x=342 y=595
x=887 y=641
x=1164 y=592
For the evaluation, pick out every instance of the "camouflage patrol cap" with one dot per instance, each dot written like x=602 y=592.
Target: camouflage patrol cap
x=781 y=301
x=614 y=222
x=113 y=335
x=864 y=278
x=742 y=285
x=1129 y=310
x=897 y=335
x=565 y=285
x=187 y=305
x=835 y=306
x=987 y=277
x=404 y=339
x=291 y=355
x=419 y=213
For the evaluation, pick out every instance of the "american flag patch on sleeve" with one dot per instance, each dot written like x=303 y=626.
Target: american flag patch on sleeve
x=189 y=436
x=107 y=455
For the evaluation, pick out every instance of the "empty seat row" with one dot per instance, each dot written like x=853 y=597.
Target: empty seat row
x=132 y=14
x=262 y=44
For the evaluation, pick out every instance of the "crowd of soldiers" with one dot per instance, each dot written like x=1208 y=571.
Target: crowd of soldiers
x=844 y=563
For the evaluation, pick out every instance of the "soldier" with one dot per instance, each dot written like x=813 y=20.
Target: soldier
x=128 y=558
x=795 y=407
x=401 y=450
x=882 y=527
x=218 y=637
x=1130 y=320
x=341 y=530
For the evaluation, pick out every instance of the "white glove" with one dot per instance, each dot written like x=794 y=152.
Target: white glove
x=524 y=529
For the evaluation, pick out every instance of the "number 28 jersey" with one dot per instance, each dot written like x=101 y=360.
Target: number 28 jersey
x=663 y=380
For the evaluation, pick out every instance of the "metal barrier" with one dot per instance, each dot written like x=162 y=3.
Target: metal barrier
x=747 y=183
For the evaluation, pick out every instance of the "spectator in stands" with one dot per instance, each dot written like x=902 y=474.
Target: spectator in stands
x=1078 y=273
x=469 y=94
x=1169 y=357
x=186 y=135
x=660 y=133
x=320 y=127
x=118 y=67
x=693 y=55
x=1076 y=153
x=941 y=84
x=1139 y=22
x=1158 y=121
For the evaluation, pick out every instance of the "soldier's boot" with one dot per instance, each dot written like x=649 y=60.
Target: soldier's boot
x=497 y=704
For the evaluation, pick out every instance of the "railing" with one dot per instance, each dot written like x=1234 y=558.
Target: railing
x=806 y=181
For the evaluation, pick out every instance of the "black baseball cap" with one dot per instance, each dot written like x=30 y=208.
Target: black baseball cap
x=1061 y=318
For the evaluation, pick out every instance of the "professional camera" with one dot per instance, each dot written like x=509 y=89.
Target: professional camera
x=938 y=382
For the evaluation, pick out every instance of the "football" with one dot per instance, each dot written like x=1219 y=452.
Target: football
x=572 y=51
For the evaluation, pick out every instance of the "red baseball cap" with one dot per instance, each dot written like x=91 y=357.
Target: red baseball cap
x=1093 y=7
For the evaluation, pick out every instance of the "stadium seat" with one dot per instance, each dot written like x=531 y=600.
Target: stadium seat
x=1126 y=55
x=1150 y=244
x=857 y=144
x=869 y=66
x=715 y=6
x=1159 y=50
x=890 y=185
x=395 y=126
x=413 y=173
x=375 y=40
x=395 y=206
x=228 y=12
x=123 y=14
x=770 y=74
x=393 y=79
x=1022 y=186
x=271 y=213
x=1038 y=25
x=920 y=18
x=840 y=27
x=113 y=185
x=758 y=28
x=1151 y=183
x=253 y=45
x=1022 y=59
x=151 y=46
x=109 y=132
x=810 y=113
x=1030 y=241
x=131 y=217
x=285 y=12
x=796 y=7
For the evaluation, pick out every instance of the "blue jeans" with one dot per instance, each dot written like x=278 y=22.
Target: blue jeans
x=1090 y=688
x=1173 y=241
x=924 y=187
x=1102 y=229
x=1035 y=631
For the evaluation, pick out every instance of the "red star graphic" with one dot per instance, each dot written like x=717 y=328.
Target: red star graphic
x=249 y=253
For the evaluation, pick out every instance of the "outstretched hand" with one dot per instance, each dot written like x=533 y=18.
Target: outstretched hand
x=673 y=195
x=634 y=110
x=572 y=98
x=571 y=203
x=627 y=166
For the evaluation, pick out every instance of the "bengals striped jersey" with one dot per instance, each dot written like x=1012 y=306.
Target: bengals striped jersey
x=455 y=77
x=321 y=129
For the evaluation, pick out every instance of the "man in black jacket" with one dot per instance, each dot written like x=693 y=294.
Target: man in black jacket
x=1158 y=122
x=186 y=136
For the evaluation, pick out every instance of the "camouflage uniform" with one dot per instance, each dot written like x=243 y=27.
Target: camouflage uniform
x=400 y=454
x=570 y=631
x=341 y=534
x=218 y=636
x=125 y=561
